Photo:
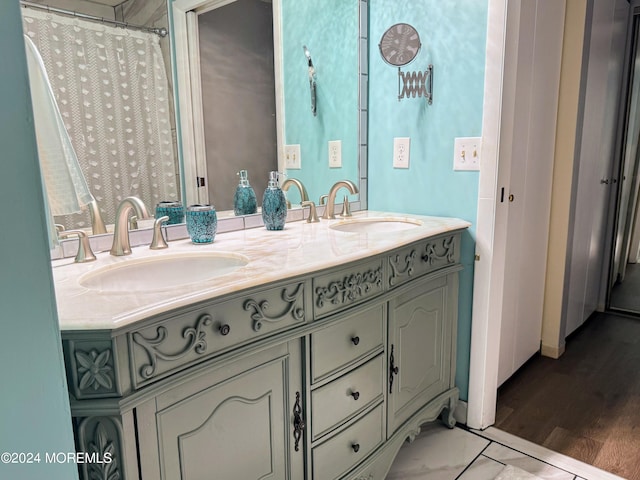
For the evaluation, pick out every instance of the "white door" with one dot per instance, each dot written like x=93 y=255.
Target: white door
x=596 y=153
x=527 y=190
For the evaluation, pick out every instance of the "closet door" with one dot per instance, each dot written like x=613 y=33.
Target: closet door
x=527 y=187
x=606 y=23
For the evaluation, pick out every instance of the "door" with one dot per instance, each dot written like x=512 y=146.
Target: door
x=596 y=152
x=421 y=353
x=626 y=239
x=234 y=422
x=526 y=189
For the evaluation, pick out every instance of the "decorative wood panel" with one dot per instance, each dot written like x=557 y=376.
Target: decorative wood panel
x=346 y=287
x=181 y=340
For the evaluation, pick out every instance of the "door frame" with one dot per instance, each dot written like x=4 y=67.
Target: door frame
x=491 y=223
x=500 y=95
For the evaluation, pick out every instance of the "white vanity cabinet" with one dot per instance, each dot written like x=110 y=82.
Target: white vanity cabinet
x=321 y=376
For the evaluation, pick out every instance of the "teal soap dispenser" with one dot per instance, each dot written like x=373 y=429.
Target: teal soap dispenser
x=274 y=204
x=244 y=200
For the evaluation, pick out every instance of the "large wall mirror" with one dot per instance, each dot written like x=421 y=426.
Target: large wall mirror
x=242 y=101
x=217 y=128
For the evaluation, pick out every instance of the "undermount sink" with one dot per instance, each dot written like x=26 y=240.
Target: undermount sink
x=162 y=272
x=376 y=225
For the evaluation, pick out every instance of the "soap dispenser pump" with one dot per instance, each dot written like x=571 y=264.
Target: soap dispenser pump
x=244 y=200
x=274 y=204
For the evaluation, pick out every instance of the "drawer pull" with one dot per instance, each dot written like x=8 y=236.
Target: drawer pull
x=393 y=369
x=355 y=340
x=355 y=395
x=224 y=329
x=298 y=423
x=356 y=447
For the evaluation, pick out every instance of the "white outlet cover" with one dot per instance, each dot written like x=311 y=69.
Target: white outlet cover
x=401 y=152
x=466 y=153
x=292 y=158
x=335 y=153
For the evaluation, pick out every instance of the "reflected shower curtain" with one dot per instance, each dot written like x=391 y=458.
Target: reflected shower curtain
x=112 y=91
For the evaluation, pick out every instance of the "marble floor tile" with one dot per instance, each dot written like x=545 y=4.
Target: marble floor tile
x=483 y=468
x=534 y=466
x=582 y=470
x=438 y=453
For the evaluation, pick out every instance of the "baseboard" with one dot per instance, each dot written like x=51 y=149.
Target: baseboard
x=460 y=413
x=552 y=351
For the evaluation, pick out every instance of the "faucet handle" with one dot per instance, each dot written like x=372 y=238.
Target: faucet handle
x=85 y=254
x=323 y=199
x=346 y=208
x=313 y=216
x=158 y=242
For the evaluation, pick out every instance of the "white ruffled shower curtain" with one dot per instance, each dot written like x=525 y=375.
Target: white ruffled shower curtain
x=112 y=91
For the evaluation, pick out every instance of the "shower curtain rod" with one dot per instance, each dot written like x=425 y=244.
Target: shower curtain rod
x=162 y=32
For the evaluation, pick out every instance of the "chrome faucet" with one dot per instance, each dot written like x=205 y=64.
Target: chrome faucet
x=331 y=200
x=121 y=245
x=304 y=197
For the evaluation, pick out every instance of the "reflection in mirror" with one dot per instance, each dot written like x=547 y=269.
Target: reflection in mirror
x=330 y=29
x=238 y=98
x=111 y=88
x=625 y=271
x=330 y=32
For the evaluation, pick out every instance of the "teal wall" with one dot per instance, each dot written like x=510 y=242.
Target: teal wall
x=329 y=29
x=453 y=35
x=34 y=400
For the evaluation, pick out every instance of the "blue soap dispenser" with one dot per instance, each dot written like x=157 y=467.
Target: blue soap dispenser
x=274 y=204
x=244 y=200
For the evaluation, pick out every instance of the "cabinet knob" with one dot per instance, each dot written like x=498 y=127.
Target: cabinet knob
x=355 y=340
x=356 y=447
x=224 y=329
x=355 y=395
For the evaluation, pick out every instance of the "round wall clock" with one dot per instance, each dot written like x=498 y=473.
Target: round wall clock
x=400 y=44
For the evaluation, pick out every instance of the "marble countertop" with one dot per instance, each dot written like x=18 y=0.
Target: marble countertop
x=300 y=248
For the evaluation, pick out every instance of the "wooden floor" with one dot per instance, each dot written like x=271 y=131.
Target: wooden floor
x=586 y=404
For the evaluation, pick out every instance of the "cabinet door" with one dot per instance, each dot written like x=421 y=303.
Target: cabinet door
x=420 y=346
x=233 y=427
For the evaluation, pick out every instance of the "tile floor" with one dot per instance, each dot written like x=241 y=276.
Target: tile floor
x=442 y=454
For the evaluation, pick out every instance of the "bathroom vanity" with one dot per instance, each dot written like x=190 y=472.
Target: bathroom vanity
x=315 y=356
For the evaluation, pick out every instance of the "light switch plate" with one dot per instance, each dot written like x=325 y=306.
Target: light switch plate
x=466 y=153
x=292 y=158
x=401 y=150
x=335 y=153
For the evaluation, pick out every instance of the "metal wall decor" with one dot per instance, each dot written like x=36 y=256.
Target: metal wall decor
x=399 y=46
x=312 y=80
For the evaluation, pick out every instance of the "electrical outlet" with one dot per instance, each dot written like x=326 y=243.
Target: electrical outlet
x=401 y=149
x=335 y=153
x=466 y=153
x=292 y=158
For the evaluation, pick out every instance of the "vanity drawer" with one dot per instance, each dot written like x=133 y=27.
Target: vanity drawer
x=341 y=453
x=334 y=403
x=423 y=257
x=345 y=342
x=180 y=340
x=346 y=287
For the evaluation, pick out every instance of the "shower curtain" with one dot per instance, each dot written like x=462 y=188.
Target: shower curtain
x=112 y=91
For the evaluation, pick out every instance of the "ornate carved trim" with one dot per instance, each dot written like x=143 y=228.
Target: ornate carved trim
x=104 y=450
x=350 y=289
x=94 y=369
x=431 y=254
x=100 y=438
x=292 y=308
x=195 y=335
x=398 y=270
